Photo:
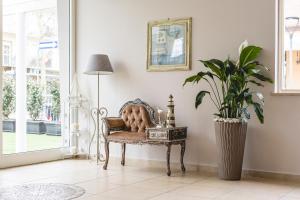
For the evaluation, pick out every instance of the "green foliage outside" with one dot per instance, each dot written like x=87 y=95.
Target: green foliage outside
x=55 y=92
x=35 y=99
x=229 y=82
x=8 y=97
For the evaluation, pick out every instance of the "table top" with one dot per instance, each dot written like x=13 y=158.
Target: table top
x=167 y=128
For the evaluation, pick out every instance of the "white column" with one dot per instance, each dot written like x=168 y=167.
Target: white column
x=21 y=88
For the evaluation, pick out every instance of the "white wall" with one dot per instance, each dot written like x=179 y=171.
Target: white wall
x=119 y=28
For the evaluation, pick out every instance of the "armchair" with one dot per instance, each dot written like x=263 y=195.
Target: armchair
x=136 y=120
x=129 y=128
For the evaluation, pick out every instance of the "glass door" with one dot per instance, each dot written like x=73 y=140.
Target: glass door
x=35 y=78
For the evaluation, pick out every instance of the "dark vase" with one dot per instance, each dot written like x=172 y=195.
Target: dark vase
x=230 y=138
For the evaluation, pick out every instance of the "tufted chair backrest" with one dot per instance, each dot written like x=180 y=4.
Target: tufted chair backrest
x=137 y=116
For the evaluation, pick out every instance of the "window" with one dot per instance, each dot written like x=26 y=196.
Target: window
x=7 y=53
x=288 y=77
x=35 y=34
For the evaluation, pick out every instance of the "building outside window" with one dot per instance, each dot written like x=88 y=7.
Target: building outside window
x=288 y=76
x=7 y=53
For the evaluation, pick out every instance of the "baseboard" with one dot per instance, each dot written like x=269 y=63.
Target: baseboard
x=80 y=157
x=271 y=175
x=205 y=169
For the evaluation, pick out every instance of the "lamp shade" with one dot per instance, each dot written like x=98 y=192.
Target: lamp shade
x=99 y=64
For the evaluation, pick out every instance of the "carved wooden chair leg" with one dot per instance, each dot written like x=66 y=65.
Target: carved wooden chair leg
x=182 y=155
x=123 y=153
x=168 y=159
x=106 y=154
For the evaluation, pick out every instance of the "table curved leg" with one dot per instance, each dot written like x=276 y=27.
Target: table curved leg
x=107 y=155
x=182 y=155
x=168 y=159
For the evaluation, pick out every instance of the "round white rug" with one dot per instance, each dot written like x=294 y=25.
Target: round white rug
x=41 y=191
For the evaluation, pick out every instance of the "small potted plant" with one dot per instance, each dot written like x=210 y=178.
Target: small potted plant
x=8 y=104
x=35 y=101
x=54 y=127
x=229 y=82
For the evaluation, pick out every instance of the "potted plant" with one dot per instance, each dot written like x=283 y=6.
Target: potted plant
x=229 y=82
x=35 y=101
x=54 y=128
x=8 y=104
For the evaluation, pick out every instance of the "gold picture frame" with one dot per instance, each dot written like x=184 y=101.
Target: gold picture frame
x=169 y=45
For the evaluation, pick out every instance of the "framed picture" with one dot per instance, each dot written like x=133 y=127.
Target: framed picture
x=169 y=45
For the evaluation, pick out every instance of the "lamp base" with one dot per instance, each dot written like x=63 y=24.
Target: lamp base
x=97 y=115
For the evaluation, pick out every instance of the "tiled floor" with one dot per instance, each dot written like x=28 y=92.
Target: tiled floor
x=147 y=183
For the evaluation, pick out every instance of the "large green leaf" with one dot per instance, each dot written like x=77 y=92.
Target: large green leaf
x=249 y=98
x=259 y=112
x=249 y=54
x=256 y=83
x=199 y=97
x=239 y=79
x=196 y=78
x=191 y=79
x=262 y=78
x=230 y=67
x=213 y=67
x=217 y=62
x=249 y=67
x=242 y=95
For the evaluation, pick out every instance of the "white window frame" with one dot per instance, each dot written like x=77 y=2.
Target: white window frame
x=280 y=51
x=18 y=159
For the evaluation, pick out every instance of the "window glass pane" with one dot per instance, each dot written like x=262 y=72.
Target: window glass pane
x=32 y=107
x=291 y=58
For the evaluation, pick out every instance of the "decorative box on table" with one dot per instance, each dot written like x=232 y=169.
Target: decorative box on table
x=169 y=134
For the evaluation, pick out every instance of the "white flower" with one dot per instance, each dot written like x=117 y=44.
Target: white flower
x=242 y=46
x=260 y=95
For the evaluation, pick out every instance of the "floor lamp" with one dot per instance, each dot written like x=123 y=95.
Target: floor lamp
x=98 y=64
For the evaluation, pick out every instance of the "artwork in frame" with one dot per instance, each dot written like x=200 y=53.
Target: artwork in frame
x=169 y=45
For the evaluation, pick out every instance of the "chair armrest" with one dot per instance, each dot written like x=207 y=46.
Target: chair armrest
x=113 y=124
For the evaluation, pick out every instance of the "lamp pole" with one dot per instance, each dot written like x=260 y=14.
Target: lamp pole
x=98 y=64
x=98 y=126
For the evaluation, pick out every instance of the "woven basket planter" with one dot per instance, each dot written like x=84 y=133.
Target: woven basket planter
x=230 y=137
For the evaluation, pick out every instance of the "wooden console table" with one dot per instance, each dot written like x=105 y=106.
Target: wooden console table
x=168 y=137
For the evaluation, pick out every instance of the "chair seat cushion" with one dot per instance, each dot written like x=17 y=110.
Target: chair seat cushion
x=127 y=136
